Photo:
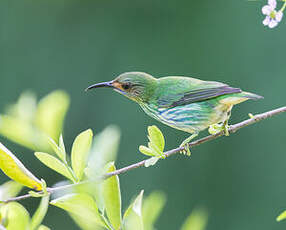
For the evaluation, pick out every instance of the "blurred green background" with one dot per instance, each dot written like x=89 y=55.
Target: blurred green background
x=69 y=44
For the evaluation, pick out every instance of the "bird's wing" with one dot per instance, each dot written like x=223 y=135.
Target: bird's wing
x=184 y=92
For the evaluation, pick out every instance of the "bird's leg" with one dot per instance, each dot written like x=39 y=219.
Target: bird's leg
x=225 y=125
x=185 y=144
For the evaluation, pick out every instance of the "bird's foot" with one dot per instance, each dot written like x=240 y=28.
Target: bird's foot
x=186 y=150
x=225 y=128
x=186 y=146
x=216 y=128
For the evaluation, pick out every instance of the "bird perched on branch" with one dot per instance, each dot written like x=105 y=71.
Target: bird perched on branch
x=184 y=103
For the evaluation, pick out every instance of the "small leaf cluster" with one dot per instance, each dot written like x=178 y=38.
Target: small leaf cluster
x=28 y=122
x=79 y=154
x=155 y=147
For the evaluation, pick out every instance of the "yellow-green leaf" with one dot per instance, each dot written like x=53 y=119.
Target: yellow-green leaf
x=18 y=131
x=60 y=153
x=9 y=189
x=104 y=150
x=79 y=204
x=155 y=149
x=85 y=224
x=151 y=161
x=25 y=107
x=43 y=227
x=197 y=220
x=14 y=169
x=80 y=151
x=147 y=151
x=15 y=215
x=152 y=207
x=112 y=198
x=156 y=137
x=55 y=164
x=51 y=112
x=133 y=215
x=40 y=213
x=282 y=216
x=62 y=146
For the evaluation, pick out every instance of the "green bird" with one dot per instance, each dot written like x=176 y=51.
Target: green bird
x=184 y=103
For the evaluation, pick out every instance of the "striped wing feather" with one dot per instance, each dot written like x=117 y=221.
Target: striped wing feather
x=204 y=94
x=196 y=95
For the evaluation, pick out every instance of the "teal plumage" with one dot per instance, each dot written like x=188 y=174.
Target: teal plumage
x=184 y=103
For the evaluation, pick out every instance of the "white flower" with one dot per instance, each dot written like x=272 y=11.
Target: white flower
x=273 y=17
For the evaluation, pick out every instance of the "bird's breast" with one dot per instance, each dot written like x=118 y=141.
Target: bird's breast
x=190 y=118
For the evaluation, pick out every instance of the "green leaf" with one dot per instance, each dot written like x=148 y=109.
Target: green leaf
x=104 y=150
x=156 y=137
x=85 y=224
x=62 y=146
x=14 y=169
x=132 y=218
x=51 y=112
x=80 y=151
x=9 y=189
x=19 y=131
x=79 y=204
x=147 y=151
x=197 y=220
x=155 y=149
x=43 y=227
x=152 y=207
x=40 y=213
x=36 y=194
x=281 y=217
x=15 y=215
x=55 y=164
x=151 y=161
x=28 y=125
x=112 y=198
x=60 y=153
x=24 y=108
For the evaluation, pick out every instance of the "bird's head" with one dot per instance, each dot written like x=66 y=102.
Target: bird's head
x=137 y=86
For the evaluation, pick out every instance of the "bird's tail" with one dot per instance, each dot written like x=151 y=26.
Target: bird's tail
x=236 y=98
x=250 y=95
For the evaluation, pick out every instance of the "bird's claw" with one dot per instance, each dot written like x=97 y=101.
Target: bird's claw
x=216 y=128
x=186 y=150
x=225 y=128
x=186 y=146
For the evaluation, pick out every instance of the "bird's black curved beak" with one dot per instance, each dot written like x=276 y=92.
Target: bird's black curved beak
x=100 y=85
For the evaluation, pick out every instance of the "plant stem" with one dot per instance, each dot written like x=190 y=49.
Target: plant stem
x=232 y=129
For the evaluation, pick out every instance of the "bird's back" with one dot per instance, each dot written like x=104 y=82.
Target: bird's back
x=175 y=90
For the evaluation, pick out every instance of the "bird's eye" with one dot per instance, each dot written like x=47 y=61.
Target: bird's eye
x=126 y=86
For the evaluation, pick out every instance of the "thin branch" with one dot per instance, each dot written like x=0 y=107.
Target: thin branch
x=49 y=191
x=232 y=129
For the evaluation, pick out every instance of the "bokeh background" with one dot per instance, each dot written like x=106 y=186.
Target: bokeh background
x=69 y=44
